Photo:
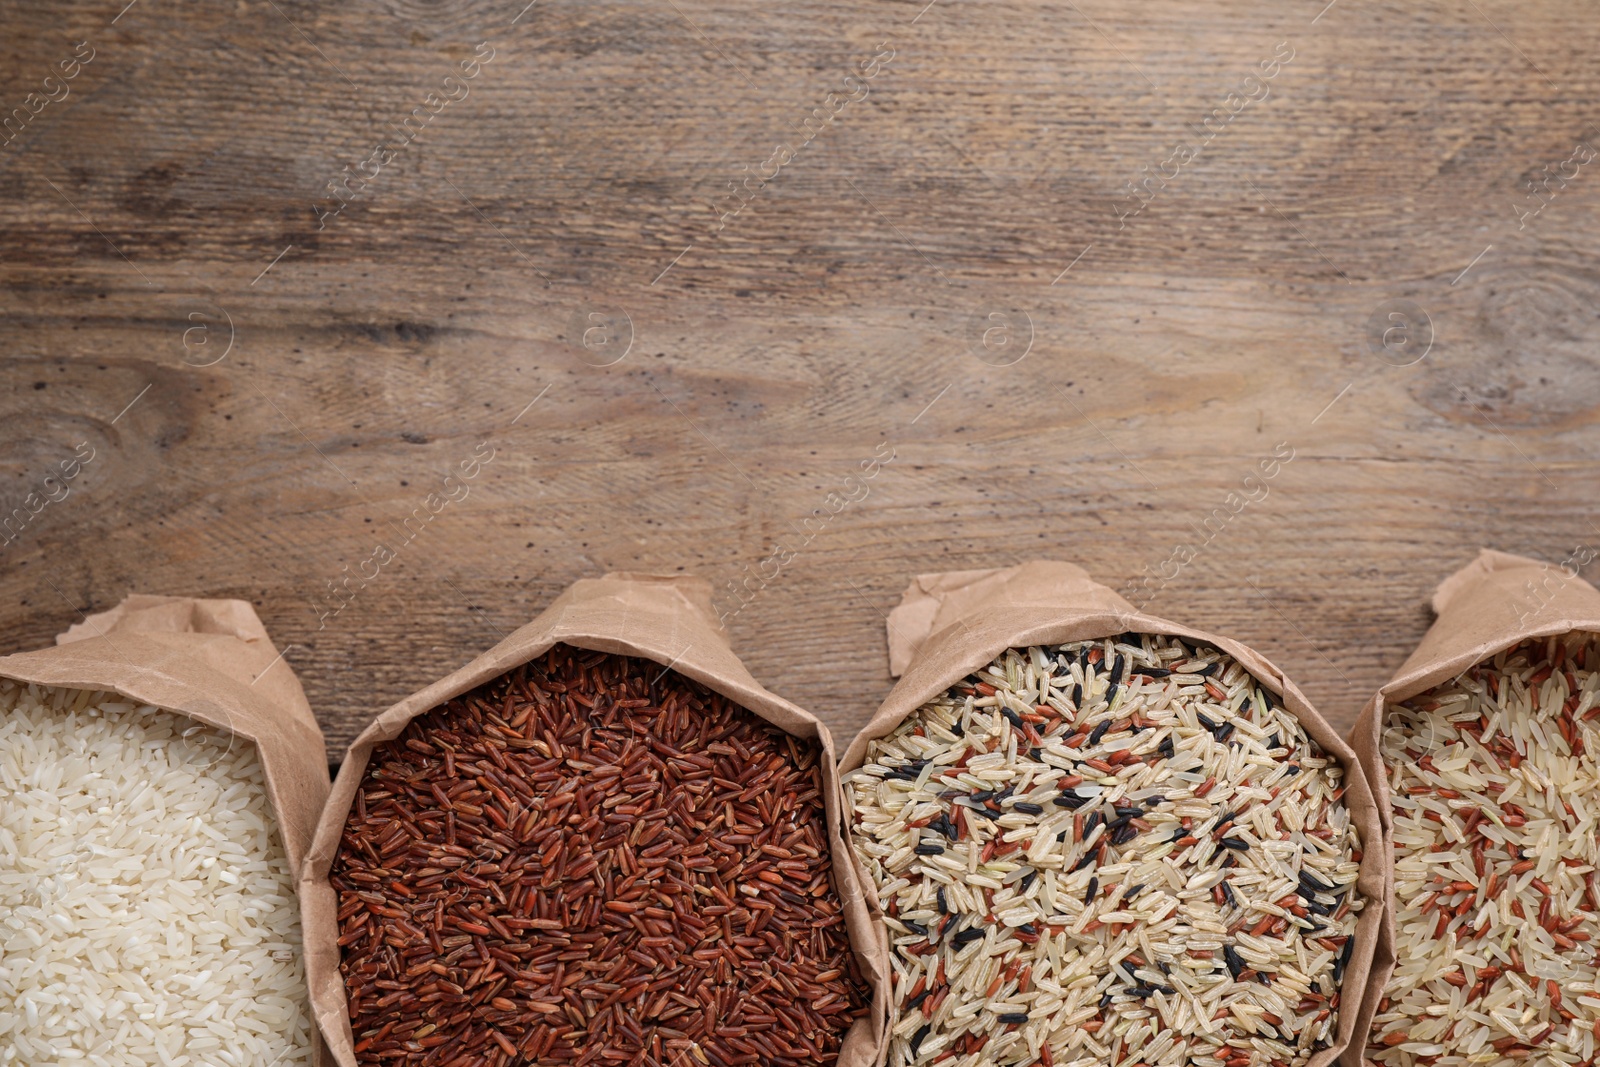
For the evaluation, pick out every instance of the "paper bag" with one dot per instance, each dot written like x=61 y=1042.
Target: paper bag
x=1496 y=601
x=668 y=620
x=949 y=625
x=210 y=660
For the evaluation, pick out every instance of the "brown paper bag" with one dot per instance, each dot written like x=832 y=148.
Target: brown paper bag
x=669 y=620
x=950 y=625
x=1496 y=601
x=212 y=661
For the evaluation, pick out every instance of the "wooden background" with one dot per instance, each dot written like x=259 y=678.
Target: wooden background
x=843 y=310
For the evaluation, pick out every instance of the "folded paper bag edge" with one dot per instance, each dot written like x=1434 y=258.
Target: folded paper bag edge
x=223 y=633
x=1488 y=561
x=912 y=621
x=1494 y=601
x=691 y=587
x=935 y=601
x=148 y=613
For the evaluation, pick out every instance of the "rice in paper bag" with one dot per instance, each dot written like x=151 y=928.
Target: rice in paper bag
x=1009 y=949
x=210 y=661
x=436 y=897
x=1499 y=648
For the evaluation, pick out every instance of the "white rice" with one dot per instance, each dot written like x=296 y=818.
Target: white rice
x=1496 y=790
x=147 y=913
x=1207 y=925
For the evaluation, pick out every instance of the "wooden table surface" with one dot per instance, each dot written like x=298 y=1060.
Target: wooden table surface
x=1080 y=266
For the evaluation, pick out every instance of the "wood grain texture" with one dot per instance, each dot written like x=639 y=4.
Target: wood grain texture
x=181 y=185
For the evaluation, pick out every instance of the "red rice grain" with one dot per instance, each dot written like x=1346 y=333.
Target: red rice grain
x=592 y=860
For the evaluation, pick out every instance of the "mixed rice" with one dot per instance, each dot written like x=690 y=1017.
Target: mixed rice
x=1493 y=779
x=1114 y=852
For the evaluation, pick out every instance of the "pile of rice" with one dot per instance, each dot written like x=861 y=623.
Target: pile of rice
x=1496 y=790
x=147 y=913
x=1115 y=852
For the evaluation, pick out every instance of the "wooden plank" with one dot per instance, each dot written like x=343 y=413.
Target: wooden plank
x=979 y=179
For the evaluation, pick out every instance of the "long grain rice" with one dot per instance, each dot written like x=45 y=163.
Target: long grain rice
x=1114 y=852
x=1493 y=779
x=147 y=913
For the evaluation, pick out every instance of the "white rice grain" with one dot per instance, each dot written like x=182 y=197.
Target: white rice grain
x=147 y=913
